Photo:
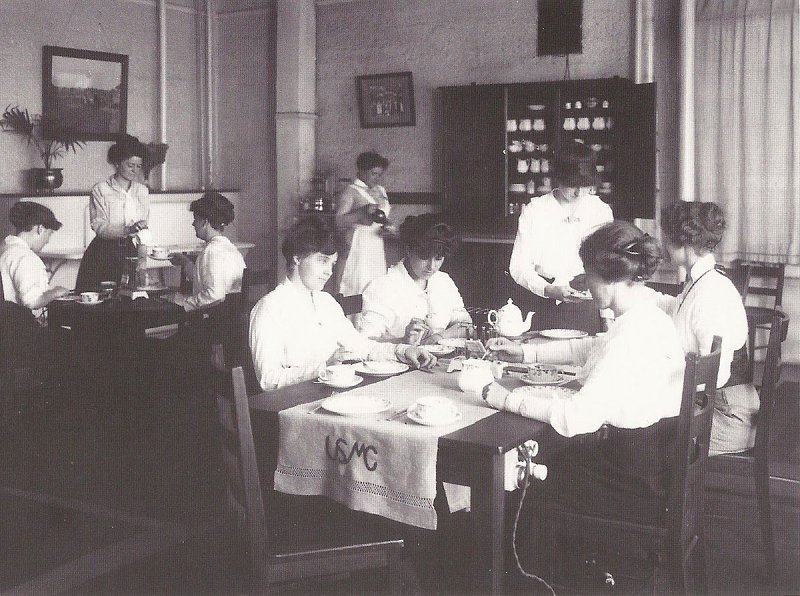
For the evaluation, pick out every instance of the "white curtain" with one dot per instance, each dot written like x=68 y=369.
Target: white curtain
x=747 y=109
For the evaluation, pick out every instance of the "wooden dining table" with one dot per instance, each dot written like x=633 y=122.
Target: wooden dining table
x=472 y=456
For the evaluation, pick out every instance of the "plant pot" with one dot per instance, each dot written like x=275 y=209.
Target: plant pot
x=46 y=179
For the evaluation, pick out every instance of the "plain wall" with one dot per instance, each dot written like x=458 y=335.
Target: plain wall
x=120 y=26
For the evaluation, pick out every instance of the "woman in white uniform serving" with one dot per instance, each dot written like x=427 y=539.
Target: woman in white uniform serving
x=361 y=214
x=551 y=228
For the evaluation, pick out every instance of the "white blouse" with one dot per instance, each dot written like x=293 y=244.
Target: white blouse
x=392 y=300
x=709 y=305
x=294 y=331
x=111 y=207
x=632 y=376
x=548 y=240
x=23 y=272
x=217 y=272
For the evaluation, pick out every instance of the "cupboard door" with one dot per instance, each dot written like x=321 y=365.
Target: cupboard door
x=636 y=153
x=473 y=135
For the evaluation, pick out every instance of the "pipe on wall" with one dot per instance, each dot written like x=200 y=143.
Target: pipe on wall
x=208 y=172
x=162 y=82
x=686 y=101
x=643 y=41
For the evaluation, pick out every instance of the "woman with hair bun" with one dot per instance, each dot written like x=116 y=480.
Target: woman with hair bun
x=219 y=266
x=414 y=301
x=118 y=211
x=710 y=305
x=631 y=379
x=297 y=329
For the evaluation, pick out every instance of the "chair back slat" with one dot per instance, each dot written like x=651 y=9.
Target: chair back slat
x=244 y=485
x=693 y=435
x=779 y=329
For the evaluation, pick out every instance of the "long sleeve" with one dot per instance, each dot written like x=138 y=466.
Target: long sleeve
x=574 y=351
x=268 y=342
x=634 y=379
x=217 y=272
x=359 y=345
x=29 y=278
x=101 y=217
x=522 y=266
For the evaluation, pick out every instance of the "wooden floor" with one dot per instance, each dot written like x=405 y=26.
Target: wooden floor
x=99 y=498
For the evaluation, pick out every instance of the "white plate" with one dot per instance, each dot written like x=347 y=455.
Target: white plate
x=158 y=288
x=346 y=385
x=356 y=405
x=438 y=349
x=563 y=333
x=453 y=342
x=434 y=421
x=380 y=369
x=545 y=391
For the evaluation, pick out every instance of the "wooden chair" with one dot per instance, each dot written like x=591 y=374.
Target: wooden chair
x=676 y=540
x=754 y=463
x=245 y=503
x=263 y=278
x=351 y=305
x=773 y=274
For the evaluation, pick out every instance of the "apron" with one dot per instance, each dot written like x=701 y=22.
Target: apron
x=366 y=259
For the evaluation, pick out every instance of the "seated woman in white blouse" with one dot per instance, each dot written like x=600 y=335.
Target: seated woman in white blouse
x=710 y=305
x=297 y=329
x=631 y=379
x=414 y=301
x=219 y=266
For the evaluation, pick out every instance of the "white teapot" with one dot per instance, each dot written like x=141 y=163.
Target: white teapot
x=508 y=320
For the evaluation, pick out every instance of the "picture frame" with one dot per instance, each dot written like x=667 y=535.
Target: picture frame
x=84 y=92
x=386 y=100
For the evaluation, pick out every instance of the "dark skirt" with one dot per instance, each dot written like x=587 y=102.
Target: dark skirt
x=625 y=477
x=102 y=261
x=575 y=315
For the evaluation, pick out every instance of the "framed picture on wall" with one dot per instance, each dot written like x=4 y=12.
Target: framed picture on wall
x=385 y=100
x=85 y=92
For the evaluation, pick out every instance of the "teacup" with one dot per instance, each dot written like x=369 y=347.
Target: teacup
x=159 y=252
x=583 y=123
x=525 y=124
x=433 y=408
x=569 y=123
x=89 y=297
x=338 y=374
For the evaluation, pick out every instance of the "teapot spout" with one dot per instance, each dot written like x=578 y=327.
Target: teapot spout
x=527 y=322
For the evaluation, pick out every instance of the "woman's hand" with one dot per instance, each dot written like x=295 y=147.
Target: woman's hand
x=563 y=293
x=417 y=357
x=416 y=331
x=501 y=348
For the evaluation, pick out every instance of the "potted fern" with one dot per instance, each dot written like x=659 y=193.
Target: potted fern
x=57 y=143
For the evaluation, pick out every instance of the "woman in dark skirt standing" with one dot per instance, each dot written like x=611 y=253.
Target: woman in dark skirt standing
x=118 y=209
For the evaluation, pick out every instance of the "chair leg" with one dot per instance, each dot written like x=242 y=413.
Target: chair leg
x=765 y=515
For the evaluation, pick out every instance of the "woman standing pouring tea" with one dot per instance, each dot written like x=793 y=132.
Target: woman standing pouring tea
x=118 y=211
x=361 y=216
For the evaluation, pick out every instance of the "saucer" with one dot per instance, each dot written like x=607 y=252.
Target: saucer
x=563 y=333
x=413 y=416
x=100 y=301
x=438 y=349
x=355 y=380
x=155 y=258
x=380 y=369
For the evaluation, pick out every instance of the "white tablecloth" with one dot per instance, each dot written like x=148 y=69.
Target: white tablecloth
x=386 y=467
